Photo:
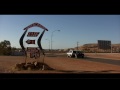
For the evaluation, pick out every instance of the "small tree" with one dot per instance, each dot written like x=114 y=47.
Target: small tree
x=5 y=48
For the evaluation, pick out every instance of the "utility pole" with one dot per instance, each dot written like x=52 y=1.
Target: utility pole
x=51 y=38
x=49 y=43
x=77 y=45
x=111 y=47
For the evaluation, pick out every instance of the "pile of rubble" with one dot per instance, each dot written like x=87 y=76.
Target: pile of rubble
x=32 y=66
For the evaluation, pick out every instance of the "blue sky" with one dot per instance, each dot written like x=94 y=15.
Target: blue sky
x=73 y=28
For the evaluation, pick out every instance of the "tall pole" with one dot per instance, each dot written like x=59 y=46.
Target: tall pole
x=51 y=38
x=77 y=45
x=111 y=47
x=49 y=44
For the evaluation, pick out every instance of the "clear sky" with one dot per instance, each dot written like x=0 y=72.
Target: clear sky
x=73 y=28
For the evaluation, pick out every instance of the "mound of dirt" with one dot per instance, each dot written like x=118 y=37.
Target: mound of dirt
x=32 y=66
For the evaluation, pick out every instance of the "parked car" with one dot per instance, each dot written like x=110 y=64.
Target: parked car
x=75 y=53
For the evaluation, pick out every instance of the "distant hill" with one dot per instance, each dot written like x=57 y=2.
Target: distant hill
x=93 y=47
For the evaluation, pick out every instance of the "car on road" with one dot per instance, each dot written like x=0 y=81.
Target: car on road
x=75 y=53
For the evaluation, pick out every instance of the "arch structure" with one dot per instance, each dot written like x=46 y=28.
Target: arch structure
x=39 y=38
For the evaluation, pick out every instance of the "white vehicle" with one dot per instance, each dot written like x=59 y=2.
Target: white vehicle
x=75 y=53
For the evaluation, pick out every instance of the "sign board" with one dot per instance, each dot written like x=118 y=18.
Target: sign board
x=32 y=34
x=32 y=49
x=30 y=41
x=33 y=52
x=37 y=25
x=104 y=44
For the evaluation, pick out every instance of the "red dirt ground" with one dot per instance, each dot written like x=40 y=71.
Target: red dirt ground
x=62 y=65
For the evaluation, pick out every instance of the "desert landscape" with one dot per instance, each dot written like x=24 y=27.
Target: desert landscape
x=60 y=63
